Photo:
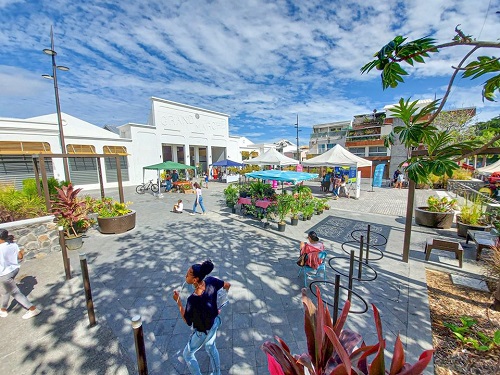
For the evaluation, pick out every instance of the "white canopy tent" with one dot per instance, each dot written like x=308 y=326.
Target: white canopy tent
x=337 y=156
x=489 y=169
x=272 y=157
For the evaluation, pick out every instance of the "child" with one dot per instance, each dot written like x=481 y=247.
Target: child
x=205 y=176
x=178 y=207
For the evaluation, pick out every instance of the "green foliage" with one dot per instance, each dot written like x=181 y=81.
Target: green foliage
x=20 y=205
x=261 y=190
x=477 y=339
x=444 y=204
x=231 y=194
x=333 y=350
x=485 y=65
x=111 y=208
x=472 y=212
x=284 y=203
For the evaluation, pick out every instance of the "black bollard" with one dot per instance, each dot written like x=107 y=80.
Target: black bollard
x=336 y=299
x=367 y=244
x=351 y=271
x=88 y=291
x=142 y=364
x=360 y=269
x=64 y=251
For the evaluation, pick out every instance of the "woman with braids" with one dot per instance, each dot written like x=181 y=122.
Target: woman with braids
x=9 y=267
x=202 y=314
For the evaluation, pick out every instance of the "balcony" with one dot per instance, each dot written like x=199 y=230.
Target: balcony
x=332 y=135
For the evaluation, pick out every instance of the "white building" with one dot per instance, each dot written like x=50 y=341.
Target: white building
x=175 y=131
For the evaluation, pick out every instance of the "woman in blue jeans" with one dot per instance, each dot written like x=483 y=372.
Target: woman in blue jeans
x=199 y=199
x=201 y=313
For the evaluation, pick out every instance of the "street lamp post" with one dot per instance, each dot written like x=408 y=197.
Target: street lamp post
x=55 y=67
x=297 y=127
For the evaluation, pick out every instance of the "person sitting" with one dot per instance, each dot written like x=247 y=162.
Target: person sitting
x=175 y=176
x=400 y=181
x=312 y=248
x=168 y=184
x=397 y=172
x=179 y=207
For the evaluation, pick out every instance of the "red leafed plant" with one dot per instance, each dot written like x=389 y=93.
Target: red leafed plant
x=333 y=350
x=70 y=212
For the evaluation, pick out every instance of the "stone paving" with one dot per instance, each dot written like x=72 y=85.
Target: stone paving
x=136 y=273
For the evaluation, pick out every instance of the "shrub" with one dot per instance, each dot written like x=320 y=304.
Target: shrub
x=444 y=204
x=19 y=205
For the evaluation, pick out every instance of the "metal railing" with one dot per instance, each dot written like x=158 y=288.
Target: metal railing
x=461 y=189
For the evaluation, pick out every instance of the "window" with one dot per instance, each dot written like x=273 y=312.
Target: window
x=358 y=151
x=377 y=151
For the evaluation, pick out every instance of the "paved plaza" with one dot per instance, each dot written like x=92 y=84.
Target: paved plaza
x=136 y=273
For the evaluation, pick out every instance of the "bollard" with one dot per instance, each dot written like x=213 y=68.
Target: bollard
x=336 y=299
x=64 y=251
x=351 y=271
x=142 y=364
x=360 y=269
x=88 y=291
x=367 y=244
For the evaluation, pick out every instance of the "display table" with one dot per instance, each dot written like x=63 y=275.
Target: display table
x=263 y=203
x=231 y=178
x=243 y=201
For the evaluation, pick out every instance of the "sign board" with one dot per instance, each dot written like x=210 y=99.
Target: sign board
x=358 y=185
x=377 y=175
x=299 y=167
x=352 y=174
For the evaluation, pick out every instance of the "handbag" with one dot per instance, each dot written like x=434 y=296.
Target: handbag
x=301 y=262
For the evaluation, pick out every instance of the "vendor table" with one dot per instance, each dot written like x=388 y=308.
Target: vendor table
x=263 y=203
x=244 y=201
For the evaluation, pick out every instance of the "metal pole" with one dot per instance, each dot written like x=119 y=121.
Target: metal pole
x=88 y=291
x=58 y=107
x=409 y=218
x=367 y=243
x=142 y=364
x=64 y=251
x=45 y=184
x=351 y=271
x=360 y=269
x=336 y=299
x=298 y=149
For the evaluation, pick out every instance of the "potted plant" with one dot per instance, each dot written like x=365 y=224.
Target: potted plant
x=294 y=211
x=115 y=217
x=472 y=217
x=283 y=205
x=308 y=209
x=439 y=213
x=70 y=213
x=231 y=194
x=244 y=191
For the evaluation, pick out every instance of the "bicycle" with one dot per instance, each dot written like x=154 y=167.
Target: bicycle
x=141 y=189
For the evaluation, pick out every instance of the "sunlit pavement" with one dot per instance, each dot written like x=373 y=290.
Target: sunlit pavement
x=136 y=273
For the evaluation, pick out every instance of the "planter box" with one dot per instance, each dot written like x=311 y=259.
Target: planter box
x=74 y=243
x=442 y=220
x=118 y=224
x=463 y=228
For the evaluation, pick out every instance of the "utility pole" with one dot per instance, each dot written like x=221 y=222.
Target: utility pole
x=297 y=127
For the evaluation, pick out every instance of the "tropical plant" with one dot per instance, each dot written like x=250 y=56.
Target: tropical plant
x=284 y=203
x=19 y=205
x=302 y=190
x=472 y=213
x=295 y=208
x=231 y=194
x=70 y=212
x=442 y=151
x=332 y=349
x=260 y=190
x=436 y=204
x=111 y=208
x=477 y=339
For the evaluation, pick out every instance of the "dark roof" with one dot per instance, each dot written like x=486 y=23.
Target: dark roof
x=112 y=128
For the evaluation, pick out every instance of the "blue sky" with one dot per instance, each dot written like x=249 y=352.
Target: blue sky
x=261 y=62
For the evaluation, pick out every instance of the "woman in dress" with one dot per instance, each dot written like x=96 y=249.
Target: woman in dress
x=9 y=268
x=201 y=313
x=198 y=200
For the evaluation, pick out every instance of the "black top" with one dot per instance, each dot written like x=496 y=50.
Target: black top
x=201 y=310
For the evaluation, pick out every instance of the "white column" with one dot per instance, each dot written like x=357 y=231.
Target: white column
x=209 y=158
x=187 y=157
x=174 y=153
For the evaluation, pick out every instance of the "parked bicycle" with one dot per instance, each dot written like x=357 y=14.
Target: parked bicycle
x=142 y=188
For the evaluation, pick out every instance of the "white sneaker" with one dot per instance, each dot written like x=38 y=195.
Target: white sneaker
x=3 y=314
x=192 y=213
x=31 y=313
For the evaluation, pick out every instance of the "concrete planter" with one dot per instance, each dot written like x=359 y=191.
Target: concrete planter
x=118 y=224
x=74 y=243
x=462 y=228
x=442 y=220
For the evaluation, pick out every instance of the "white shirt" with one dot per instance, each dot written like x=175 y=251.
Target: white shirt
x=8 y=258
x=180 y=207
x=198 y=193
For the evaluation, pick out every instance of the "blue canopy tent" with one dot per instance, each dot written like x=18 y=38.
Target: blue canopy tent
x=283 y=176
x=227 y=163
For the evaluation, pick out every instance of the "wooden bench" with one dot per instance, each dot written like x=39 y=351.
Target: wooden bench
x=482 y=239
x=445 y=245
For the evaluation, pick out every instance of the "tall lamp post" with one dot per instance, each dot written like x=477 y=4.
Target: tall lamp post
x=297 y=127
x=53 y=77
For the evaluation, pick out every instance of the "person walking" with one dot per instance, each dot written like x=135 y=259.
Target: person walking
x=199 y=199
x=205 y=178
x=201 y=313
x=9 y=268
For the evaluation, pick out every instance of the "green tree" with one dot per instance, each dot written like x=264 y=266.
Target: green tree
x=418 y=130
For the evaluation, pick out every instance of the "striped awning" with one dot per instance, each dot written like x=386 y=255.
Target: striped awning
x=80 y=149
x=116 y=150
